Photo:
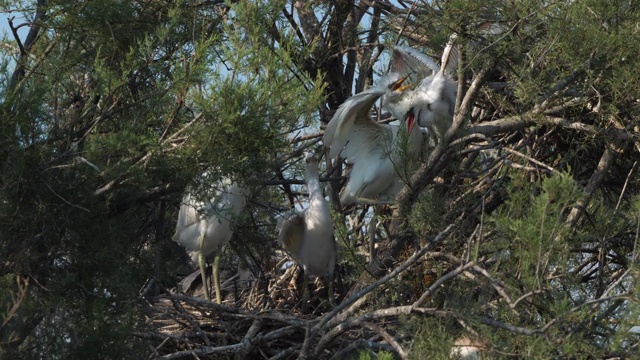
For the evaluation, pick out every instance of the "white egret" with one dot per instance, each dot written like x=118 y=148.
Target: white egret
x=377 y=151
x=433 y=101
x=203 y=227
x=406 y=63
x=308 y=235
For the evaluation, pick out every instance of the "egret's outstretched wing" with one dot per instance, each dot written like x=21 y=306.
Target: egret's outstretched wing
x=406 y=60
x=450 y=56
x=338 y=131
x=368 y=139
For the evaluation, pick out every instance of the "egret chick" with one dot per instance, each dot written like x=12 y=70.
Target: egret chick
x=406 y=64
x=308 y=235
x=433 y=101
x=203 y=227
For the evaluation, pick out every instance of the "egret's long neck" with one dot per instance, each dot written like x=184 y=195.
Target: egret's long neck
x=237 y=197
x=313 y=179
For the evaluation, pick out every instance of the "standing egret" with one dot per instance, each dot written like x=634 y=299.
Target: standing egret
x=308 y=236
x=206 y=226
x=377 y=151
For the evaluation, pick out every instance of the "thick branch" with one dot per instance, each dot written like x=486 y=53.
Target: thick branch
x=520 y=122
x=605 y=163
x=25 y=48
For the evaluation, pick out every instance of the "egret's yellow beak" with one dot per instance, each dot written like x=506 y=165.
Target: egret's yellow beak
x=397 y=86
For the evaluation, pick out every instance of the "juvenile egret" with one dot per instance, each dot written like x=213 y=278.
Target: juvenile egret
x=406 y=63
x=206 y=226
x=433 y=101
x=308 y=236
x=377 y=151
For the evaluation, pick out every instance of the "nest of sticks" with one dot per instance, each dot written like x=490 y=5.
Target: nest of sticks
x=265 y=320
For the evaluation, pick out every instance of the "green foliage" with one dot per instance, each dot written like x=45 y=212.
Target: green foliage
x=116 y=107
x=533 y=227
x=432 y=339
x=382 y=355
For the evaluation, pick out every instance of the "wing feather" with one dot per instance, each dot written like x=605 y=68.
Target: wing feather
x=367 y=140
x=355 y=109
x=406 y=59
x=450 y=56
x=291 y=233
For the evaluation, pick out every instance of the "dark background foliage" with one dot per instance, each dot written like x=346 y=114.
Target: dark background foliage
x=109 y=109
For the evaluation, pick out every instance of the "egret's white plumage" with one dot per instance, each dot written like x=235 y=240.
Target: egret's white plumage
x=406 y=63
x=308 y=235
x=433 y=100
x=377 y=151
x=206 y=226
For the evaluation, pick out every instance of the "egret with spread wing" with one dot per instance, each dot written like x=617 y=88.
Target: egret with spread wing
x=308 y=236
x=377 y=151
x=203 y=227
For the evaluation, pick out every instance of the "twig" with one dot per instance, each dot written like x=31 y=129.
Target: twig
x=208 y=303
x=515 y=329
x=626 y=182
x=14 y=31
x=205 y=350
x=285 y=353
x=248 y=337
x=450 y=275
x=65 y=200
x=525 y=120
x=387 y=337
x=325 y=319
x=603 y=166
x=527 y=295
x=529 y=158
x=497 y=285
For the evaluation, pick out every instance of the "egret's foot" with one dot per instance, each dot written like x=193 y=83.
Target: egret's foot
x=331 y=300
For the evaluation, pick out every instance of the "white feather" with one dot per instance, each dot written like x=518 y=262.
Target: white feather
x=308 y=236
x=213 y=218
x=338 y=131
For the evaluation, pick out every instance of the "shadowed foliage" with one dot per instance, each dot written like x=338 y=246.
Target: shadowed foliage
x=517 y=233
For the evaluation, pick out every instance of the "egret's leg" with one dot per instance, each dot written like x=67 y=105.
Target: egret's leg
x=216 y=278
x=203 y=268
x=329 y=280
x=305 y=292
x=202 y=263
x=372 y=234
